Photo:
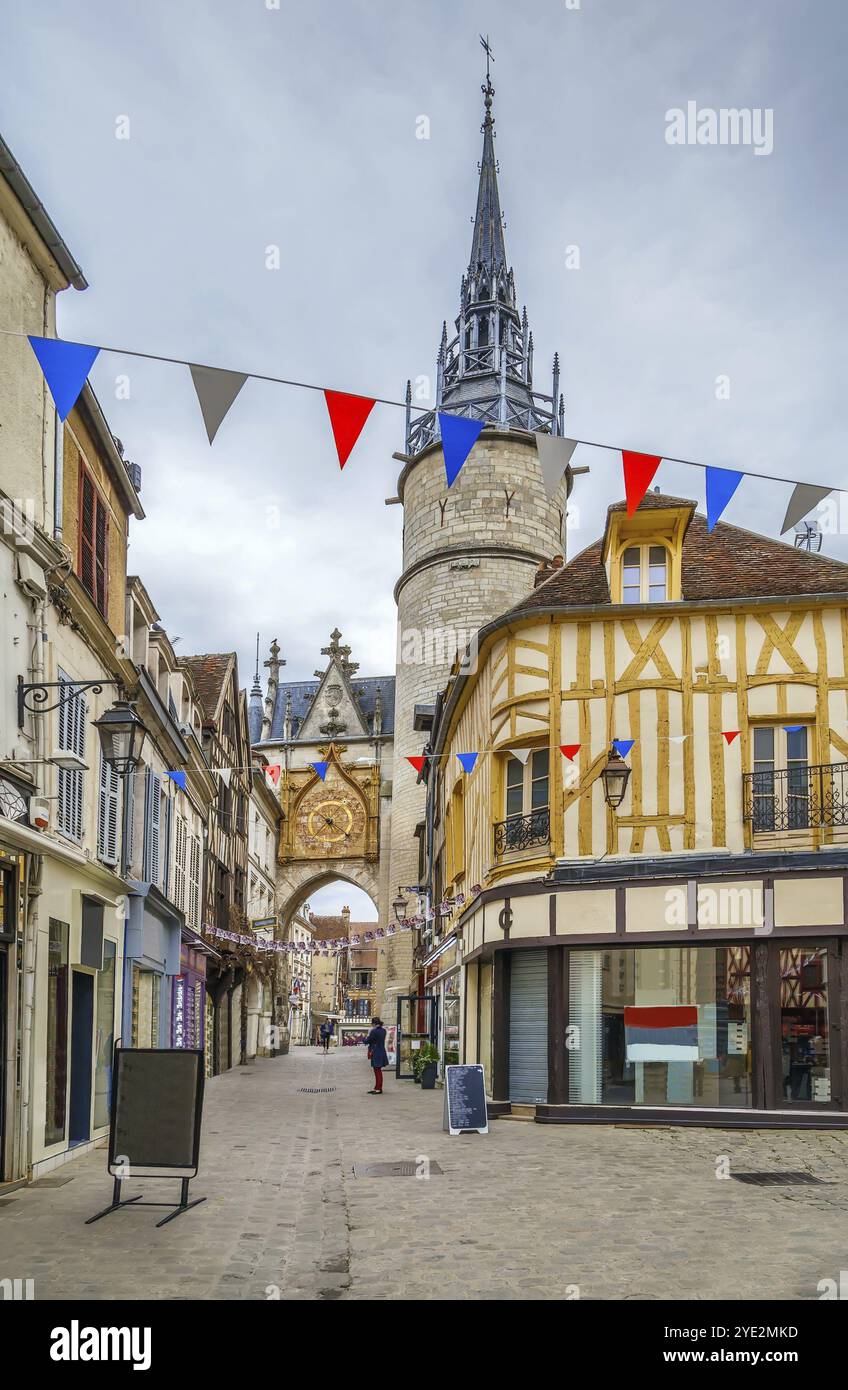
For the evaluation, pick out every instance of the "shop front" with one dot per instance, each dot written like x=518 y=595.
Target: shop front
x=188 y=992
x=152 y=960
x=12 y=867
x=616 y=1011
x=442 y=983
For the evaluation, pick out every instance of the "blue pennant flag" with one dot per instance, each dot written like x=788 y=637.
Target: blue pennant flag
x=179 y=778
x=721 y=485
x=458 y=439
x=793 y=728
x=623 y=745
x=467 y=760
x=321 y=769
x=65 y=367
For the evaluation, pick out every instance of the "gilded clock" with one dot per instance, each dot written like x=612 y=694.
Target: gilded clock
x=333 y=821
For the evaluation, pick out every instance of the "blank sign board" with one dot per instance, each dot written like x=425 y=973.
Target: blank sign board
x=156 y=1107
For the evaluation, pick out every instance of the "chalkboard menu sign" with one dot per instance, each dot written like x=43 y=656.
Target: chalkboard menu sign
x=157 y=1102
x=465 y=1100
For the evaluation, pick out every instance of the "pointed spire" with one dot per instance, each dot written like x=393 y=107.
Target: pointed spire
x=487 y=243
x=257 y=688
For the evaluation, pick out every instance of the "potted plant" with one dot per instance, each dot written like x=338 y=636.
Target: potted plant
x=429 y=1066
x=416 y=1067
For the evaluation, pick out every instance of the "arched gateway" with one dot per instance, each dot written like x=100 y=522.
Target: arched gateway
x=333 y=740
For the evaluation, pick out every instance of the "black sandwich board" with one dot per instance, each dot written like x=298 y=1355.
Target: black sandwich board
x=465 y=1100
x=154 y=1121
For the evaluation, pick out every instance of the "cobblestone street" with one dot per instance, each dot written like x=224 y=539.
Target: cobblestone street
x=526 y=1211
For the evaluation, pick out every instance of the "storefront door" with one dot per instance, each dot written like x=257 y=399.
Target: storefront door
x=528 y=1027
x=3 y=997
x=82 y=1024
x=416 y=1025
x=803 y=980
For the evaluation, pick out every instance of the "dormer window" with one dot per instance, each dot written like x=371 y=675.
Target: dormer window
x=644 y=574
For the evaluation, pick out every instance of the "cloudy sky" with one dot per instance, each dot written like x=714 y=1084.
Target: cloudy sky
x=253 y=126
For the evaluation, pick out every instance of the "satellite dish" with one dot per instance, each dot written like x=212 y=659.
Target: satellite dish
x=808 y=536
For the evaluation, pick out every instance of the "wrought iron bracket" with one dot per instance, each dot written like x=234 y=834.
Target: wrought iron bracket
x=38 y=694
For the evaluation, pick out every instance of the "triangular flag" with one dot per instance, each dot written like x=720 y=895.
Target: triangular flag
x=417 y=763
x=522 y=754
x=468 y=760
x=639 y=469
x=623 y=745
x=216 y=390
x=347 y=418
x=729 y=735
x=65 y=367
x=321 y=769
x=721 y=485
x=804 y=497
x=677 y=738
x=793 y=728
x=554 y=457
x=569 y=749
x=224 y=774
x=179 y=778
x=273 y=771
x=459 y=436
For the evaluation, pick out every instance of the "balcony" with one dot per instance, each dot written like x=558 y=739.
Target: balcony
x=522 y=832
x=796 y=798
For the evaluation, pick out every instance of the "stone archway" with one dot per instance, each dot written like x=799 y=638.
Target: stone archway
x=298 y=880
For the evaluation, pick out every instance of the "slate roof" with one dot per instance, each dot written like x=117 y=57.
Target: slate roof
x=303 y=693
x=727 y=562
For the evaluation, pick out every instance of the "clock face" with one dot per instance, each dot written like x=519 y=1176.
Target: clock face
x=335 y=822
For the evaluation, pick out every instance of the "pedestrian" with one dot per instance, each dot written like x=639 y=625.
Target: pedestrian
x=377 y=1055
x=325 y=1032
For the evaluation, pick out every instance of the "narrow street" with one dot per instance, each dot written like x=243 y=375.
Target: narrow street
x=524 y=1212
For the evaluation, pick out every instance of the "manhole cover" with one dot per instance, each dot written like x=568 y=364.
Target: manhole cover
x=404 y=1168
x=779 y=1179
x=316 y=1090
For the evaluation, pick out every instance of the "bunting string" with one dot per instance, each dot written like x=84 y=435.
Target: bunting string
x=66 y=365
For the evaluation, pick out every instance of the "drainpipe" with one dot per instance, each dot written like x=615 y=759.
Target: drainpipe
x=58 y=479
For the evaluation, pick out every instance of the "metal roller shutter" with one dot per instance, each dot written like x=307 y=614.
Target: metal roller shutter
x=528 y=1027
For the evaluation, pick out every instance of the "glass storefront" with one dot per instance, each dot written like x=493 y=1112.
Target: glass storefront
x=660 y=1026
x=57 y=1031
x=804 y=1027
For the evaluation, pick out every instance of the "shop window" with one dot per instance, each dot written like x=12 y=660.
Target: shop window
x=644 y=574
x=666 y=1026
x=57 y=1031
x=804 y=1026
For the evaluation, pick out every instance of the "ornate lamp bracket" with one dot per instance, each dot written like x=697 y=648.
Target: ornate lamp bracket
x=34 y=697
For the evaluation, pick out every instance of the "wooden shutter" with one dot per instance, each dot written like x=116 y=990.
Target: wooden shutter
x=108 y=817
x=129 y=818
x=94 y=541
x=166 y=845
x=152 y=813
x=179 y=864
x=101 y=559
x=73 y=713
x=194 y=883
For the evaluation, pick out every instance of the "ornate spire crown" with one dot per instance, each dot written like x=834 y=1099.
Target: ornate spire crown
x=486 y=370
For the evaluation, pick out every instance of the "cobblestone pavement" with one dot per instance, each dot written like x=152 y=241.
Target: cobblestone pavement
x=527 y=1211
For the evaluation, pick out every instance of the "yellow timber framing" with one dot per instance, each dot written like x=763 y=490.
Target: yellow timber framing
x=674 y=659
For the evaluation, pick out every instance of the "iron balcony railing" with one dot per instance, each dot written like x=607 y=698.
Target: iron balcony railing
x=796 y=798
x=522 y=832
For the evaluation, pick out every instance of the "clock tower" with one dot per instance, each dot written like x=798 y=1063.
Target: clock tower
x=470 y=552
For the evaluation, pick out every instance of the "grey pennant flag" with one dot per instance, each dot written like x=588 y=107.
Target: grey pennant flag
x=804 y=497
x=216 y=390
x=554 y=456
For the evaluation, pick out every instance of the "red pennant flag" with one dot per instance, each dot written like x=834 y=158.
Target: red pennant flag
x=729 y=735
x=417 y=763
x=639 y=469
x=347 y=417
x=569 y=750
x=273 y=771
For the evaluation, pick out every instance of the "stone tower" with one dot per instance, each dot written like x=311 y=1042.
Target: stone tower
x=469 y=552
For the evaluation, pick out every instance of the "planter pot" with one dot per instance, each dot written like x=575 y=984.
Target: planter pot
x=428 y=1076
x=416 y=1078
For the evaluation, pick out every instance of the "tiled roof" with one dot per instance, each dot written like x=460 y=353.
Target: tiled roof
x=209 y=672
x=725 y=563
x=325 y=928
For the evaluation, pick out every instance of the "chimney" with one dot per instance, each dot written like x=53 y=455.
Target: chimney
x=346 y=917
x=547 y=568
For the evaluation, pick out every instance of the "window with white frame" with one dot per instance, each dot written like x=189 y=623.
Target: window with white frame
x=527 y=784
x=644 y=574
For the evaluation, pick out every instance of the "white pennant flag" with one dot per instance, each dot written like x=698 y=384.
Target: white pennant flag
x=554 y=457
x=522 y=754
x=216 y=390
x=678 y=738
x=224 y=773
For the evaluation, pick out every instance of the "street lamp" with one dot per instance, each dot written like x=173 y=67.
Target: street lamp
x=615 y=777
x=399 y=905
x=121 y=733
